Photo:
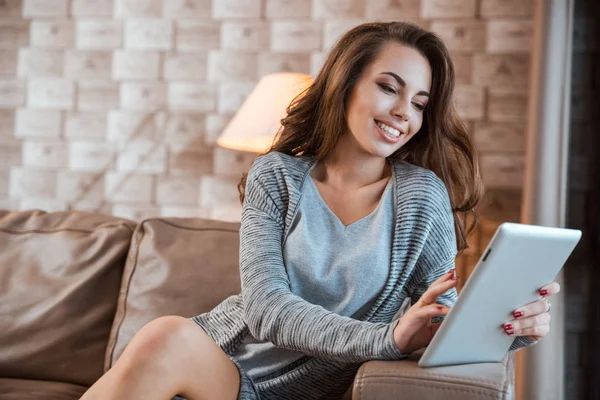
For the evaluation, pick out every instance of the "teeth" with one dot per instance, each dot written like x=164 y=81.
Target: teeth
x=388 y=129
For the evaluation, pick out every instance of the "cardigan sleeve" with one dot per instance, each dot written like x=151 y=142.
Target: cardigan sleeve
x=272 y=312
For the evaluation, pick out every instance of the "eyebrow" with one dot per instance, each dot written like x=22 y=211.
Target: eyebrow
x=402 y=83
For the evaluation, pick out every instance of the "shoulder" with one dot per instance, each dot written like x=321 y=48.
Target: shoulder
x=421 y=184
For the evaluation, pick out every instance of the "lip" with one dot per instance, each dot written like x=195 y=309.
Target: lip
x=389 y=138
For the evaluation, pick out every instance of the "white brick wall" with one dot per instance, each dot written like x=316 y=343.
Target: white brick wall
x=116 y=105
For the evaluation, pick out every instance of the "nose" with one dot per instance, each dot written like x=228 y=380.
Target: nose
x=401 y=110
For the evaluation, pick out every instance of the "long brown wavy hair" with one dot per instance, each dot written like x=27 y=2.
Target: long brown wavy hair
x=315 y=122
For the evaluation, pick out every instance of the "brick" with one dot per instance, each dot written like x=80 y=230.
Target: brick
x=92 y=8
x=48 y=205
x=13 y=33
x=224 y=66
x=506 y=8
x=269 y=63
x=99 y=34
x=501 y=204
x=88 y=64
x=182 y=66
x=509 y=36
x=11 y=8
x=127 y=125
x=338 y=9
x=138 y=8
x=228 y=213
x=143 y=96
x=192 y=163
x=8 y=61
x=336 y=29
x=502 y=170
x=463 y=68
x=9 y=204
x=214 y=125
x=142 y=156
x=126 y=187
x=470 y=101
x=32 y=182
x=461 y=36
x=288 y=9
x=216 y=191
x=395 y=9
x=184 y=212
x=4 y=185
x=136 y=65
x=10 y=155
x=439 y=9
x=31 y=123
x=51 y=93
x=192 y=96
x=185 y=130
x=79 y=187
x=7 y=124
x=135 y=212
x=52 y=33
x=177 y=190
x=91 y=155
x=233 y=94
x=35 y=62
x=317 y=59
x=507 y=103
x=149 y=34
x=85 y=125
x=45 y=8
x=97 y=206
x=97 y=96
x=492 y=69
x=194 y=36
x=187 y=9
x=295 y=36
x=499 y=137
x=45 y=154
x=227 y=9
x=231 y=163
x=12 y=93
x=241 y=35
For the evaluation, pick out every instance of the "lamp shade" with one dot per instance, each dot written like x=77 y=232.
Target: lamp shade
x=258 y=120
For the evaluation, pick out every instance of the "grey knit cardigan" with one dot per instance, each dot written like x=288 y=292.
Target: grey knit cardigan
x=423 y=249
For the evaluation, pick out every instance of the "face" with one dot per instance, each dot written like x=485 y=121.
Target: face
x=385 y=108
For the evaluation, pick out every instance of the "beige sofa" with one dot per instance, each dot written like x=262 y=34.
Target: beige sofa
x=75 y=288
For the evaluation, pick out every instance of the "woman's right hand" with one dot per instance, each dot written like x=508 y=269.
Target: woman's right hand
x=415 y=329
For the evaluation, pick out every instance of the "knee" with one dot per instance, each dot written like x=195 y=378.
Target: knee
x=160 y=337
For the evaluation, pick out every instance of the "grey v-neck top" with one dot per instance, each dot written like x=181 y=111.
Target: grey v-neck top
x=341 y=268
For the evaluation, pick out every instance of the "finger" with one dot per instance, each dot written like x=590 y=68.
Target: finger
x=550 y=290
x=529 y=322
x=433 y=310
x=439 y=287
x=538 y=331
x=537 y=307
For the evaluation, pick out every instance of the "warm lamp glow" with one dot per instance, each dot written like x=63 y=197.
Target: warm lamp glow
x=257 y=121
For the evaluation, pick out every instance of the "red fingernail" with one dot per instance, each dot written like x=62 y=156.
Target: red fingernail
x=455 y=277
x=517 y=314
x=508 y=327
x=510 y=333
x=543 y=292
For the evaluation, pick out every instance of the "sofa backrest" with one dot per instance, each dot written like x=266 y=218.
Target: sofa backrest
x=60 y=275
x=175 y=266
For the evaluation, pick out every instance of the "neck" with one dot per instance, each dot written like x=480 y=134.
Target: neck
x=350 y=167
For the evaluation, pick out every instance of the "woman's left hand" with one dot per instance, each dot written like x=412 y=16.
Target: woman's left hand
x=533 y=320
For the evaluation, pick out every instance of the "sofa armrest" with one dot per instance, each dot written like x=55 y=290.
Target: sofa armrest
x=383 y=380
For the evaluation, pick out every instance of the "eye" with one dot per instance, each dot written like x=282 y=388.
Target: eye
x=387 y=88
x=419 y=106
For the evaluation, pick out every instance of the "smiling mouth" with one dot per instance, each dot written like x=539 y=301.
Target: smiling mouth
x=388 y=129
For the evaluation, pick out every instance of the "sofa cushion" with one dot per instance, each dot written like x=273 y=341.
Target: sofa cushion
x=175 y=266
x=27 y=389
x=60 y=275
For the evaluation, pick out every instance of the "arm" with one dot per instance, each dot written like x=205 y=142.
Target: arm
x=273 y=313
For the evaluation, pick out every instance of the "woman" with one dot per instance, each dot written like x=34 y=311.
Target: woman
x=356 y=212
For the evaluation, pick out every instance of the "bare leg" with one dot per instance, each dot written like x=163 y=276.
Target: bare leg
x=169 y=356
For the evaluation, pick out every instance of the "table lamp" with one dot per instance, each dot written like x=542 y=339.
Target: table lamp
x=258 y=120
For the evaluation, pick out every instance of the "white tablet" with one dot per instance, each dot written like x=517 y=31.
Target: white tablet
x=518 y=261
